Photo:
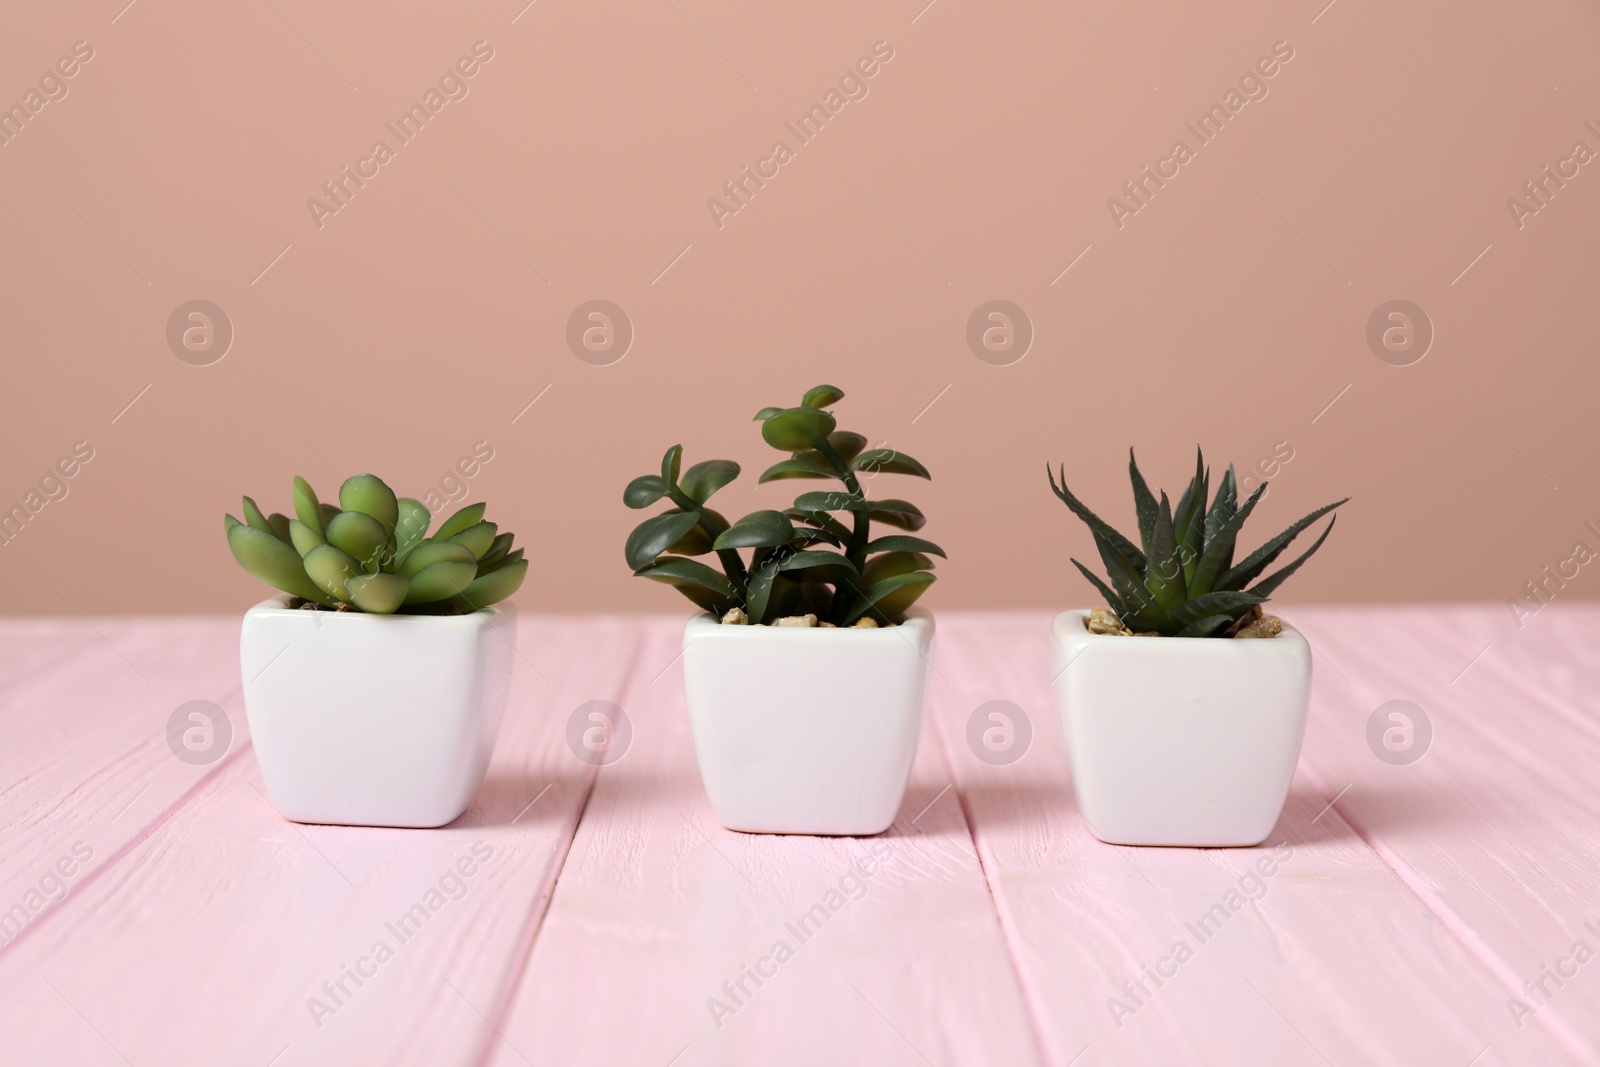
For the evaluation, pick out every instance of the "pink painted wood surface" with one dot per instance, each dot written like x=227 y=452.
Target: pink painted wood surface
x=996 y=931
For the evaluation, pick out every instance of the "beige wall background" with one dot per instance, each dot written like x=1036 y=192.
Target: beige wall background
x=1231 y=309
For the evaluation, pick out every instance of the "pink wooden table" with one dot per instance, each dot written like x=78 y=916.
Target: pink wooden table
x=161 y=913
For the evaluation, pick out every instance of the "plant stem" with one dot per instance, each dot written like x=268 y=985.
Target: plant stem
x=856 y=550
x=732 y=565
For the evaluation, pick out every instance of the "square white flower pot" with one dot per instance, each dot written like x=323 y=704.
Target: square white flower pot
x=374 y=720
x=805 y=730
x=1181 y=741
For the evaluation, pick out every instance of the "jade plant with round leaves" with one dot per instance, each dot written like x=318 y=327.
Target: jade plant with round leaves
x=372 y=553
x=818 y=556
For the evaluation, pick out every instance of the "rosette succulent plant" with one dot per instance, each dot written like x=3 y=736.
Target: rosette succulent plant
x=1183 y=581
x=372 y=553
x=817 y=557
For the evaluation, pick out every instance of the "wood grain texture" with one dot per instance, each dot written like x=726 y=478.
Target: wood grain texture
x=659 y=906
x=1336 y=961
x=207 y=941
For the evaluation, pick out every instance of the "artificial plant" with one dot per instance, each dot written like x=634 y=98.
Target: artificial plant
x=816 y=557
x=371 y=553
x=1183 y=581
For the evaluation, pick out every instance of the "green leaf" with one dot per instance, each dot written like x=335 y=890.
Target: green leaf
x=500 y=546
x=424 y=556
x=888 y=461
x=303 y=537
x=412 y=527
x=470 y=515
x=331 y=568
x=708 y=588
x=274 y=562
x=1240 y=576
x=818 y=502
x=1112 y=600
x=1137 y=601
x=847 y=444
x=306 y=506
x=822 y=396
x=1206 y=627
x=758 y=590
x=1144 y=505
x=697 y=542
x=1163 y=573
x=887 y=600
x=1129 y=552
x=797 y=429
x=902 y=543
x=477 y=537
x=1188 y=521
x=280 y=527
x=440 y=581
x=706 y=477
x=889 y=564
x=767 y=413
x=487 y=589
x=898 y=513
x=256 y=520
x=358 y=535
x=671 y=463
x=806 y=535
x=378 y=594
x=815 y=558
x=1271 y=582
x=1231 y=604
x=759 y=529
x=656 y=534
x=368 y=494
x=644 y=491
x=797 y=468
x=1220 y=539
x=820 y=519
x=504 y=561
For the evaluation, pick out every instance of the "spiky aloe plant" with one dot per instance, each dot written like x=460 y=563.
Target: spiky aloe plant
x=790 y=570
x=1183 y=582
x=371 y=553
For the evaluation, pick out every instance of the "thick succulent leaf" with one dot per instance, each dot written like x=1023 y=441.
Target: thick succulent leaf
x=1144 y=506
x=274 y=562
x=890 y=564
x=820 y=519
x=1189 y=519
x=1137 y=602
x=758 y=590
x=500 y=546
x=888 y=461
x=797 y=468
x=1112 y=600
x=331 y=568
x=477 y=537
x=656 y=534
x=1241 y=575
x=1220 y=540
x=797 y=429
x=902 y=543
x=1271 y=582
x=888 y=599
x=256 y=520
x=708 y=588
x=1224 y=506
x=368 y=494
x=706 y=477
x=644 y=491
x=229 y=522
x=378 y=594
x=767 y=413
x=306 y=506
x=358 y=535
x=470 y=515
x=1163 y=573
x=1126 y=549
x=813 y=558
x=440 y=581
x=1229 y=603
x=1206 y=627
x=671 y=464
x=504 y=561
x=806 y=535
x=847 y=444
x=412 y=527
x=424 y=556
x=491 y=588
x=833 y=500
x=328 y=511
x=697 y=542
x=822 y=396
x=898 y=513
x=303 y=537
x=280 y=526
x=759 y=529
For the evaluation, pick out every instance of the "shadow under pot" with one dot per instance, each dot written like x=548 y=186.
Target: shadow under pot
x=374 y=720
x=805 y=730
x=1180 y=740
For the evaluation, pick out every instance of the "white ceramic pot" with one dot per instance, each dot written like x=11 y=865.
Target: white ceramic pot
x=374 y=720
x=1181 y=740
x=804 y=730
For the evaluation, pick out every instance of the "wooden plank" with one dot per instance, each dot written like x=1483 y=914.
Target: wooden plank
x=1334 y=960
x=1495 y=827
x=658 y=907
x=209 y=940
x=86 y=769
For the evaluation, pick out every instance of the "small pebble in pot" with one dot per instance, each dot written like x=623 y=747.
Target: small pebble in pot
x=796 y=620
x=735 y=617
